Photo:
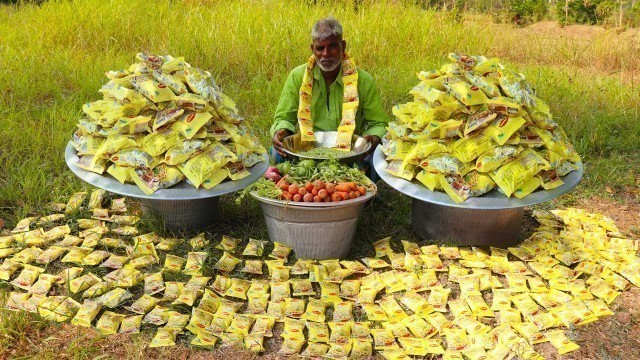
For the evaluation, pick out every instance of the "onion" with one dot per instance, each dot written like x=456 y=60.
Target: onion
x=272 y=169
x=273 y=176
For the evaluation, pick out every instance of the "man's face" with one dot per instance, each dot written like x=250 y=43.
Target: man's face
x=328 y=52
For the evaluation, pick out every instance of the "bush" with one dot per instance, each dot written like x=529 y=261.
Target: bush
x=522 y=12
x=590 y=12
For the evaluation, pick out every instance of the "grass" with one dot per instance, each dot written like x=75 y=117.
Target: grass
x=54 y=56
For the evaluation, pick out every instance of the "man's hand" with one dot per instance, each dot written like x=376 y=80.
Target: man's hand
x=277 y=141
x=375 y=141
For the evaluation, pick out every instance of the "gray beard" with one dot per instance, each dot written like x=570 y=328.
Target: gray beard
x=327 y=69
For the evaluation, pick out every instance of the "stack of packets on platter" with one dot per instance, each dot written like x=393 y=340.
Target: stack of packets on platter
x=162 y=120
x=474 y=125
x=428 y=300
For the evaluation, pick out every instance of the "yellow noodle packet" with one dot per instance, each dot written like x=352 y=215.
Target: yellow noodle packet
x=115 y=262
x=205 y=339
x=349 y=289
x=340 y=332
x=383 y=339
x=292 y=327
x=392 y=308
x=83 y=282
x=158 y=316
x=459 y=308
x=561 y=342
x=374 y=263
x=361 y=330
x=27 y=277
x=50 y=254
x=173 y=263
x=86 y=313
x=343 y=311
x=315 y=350
x=68 y=274
x=392 y=282
x=114 y=298
x=355 y=266
x=227 y=262
x=280 y=251
x=238 y=288
x=187 y=297
x=164 y=337
x=254 y=343
x=228 y=243
x=330 y=292
x=413 y=346
x=195 y=261
x=43 y=285
x=168 y=244
x=219 y=324
x=382 y=247
x=276 y=310
x=143 y=305
x=8 y=268
x=253 y=248
x=130 y=325
x=280 y=291
x=16 y=301
x=416 y=303
x=277 y=271
x=317 y=332
x=172 y=290
x=199 y=321
x=438 y=298
x=263 y=325
x=96 y=257
x=294 y=308
x=109 y=323
x=375 y=312
x=75 y=202
x=257 y=304
x=302 y=287
x=428 y=280
x=198 y=242
x=315 y=311
x=291 y=345
x=228 y=308
x=418 y=327
x=241 y=324
x=478 y=306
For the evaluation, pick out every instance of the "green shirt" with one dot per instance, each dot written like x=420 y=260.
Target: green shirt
x=326 y=115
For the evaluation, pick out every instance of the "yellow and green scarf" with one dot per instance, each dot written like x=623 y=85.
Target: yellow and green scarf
x=349 y=103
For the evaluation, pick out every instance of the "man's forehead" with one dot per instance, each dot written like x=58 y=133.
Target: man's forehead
x=331 y=39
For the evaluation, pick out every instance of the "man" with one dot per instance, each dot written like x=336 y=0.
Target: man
x=319 y=88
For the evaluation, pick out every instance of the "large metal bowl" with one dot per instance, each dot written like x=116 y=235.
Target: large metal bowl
x=293 y=146
x=488 y=220
x=181 y=207
x=314 y=230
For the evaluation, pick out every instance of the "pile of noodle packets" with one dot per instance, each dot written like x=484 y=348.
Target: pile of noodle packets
x=162 y=121
x=473 y=126
x=85 y=263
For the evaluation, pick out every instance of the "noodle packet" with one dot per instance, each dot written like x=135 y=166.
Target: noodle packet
x=416 y=303
x=338 y=350
x=438 y=298
x=383 y=339
x=301 y=267
x=382 y=247
x=198 y=242
x=392 y=308
x=228 y=308
x=27 y=277
x=292 y=327
x=315 y=350
x=277 y=271
x=418 y=327
x=340 y=332
x=173 y=263
x=96 y=257
x=168 y=244
x=27 y=255
x=109 y=323
x=205 y=339
x=114 y=298
x=86 y=313
x=263 y=325
x=375 y=312
x=143 y=305
x=187 y=297
x=219 y=324
x=254 y=343
x=228 y=244
x=257 y=304
x=258 y=287
x=164 y=337
x=238 y=288
x=318 y=332
x=343 y=311
x=315 y=311
x=349 y=289
x=16 y=301
x=195 y=261
x=8 y=268
x=375 y=263
x=221 y=284
x=280 y=291
x=276 y=310
x=330 y=292
x=83 y=282
x=130 y=325
x=561 y=342
x=115 y=262
x=355 y=267
x=68 y=274
x=49 y=255
x=75 y=202
x=280 y=251
x=158 y=316
x=254 y=248
x=233 y=340
x=294 y=308
x=111 y=243
x=177 y=321
x=43 y=285
x=291 y=345
x=172 y=290
x=302 y=287
x=227 y=262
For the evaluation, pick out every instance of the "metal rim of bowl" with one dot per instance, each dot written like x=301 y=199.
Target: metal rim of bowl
x=314 y=205
x=492 y=200
x=295 y=154
x=181 y=191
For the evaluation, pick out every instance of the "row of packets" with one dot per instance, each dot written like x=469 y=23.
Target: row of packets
x=546 y=291
x=161 y=121
x=473 y=126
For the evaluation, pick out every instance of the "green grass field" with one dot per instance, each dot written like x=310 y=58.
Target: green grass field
x=53 y=58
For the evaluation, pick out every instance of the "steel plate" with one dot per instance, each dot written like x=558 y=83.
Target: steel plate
x=293 y=145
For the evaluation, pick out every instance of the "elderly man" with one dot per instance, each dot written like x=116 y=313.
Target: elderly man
x=328 y=93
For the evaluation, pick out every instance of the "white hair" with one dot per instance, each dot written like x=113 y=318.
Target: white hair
x=325 y=28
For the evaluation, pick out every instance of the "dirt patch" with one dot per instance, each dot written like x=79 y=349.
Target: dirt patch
x=626 y=214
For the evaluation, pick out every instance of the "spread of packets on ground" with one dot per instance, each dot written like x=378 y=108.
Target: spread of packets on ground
x=439 y=300
x=161 y=121
x=473 y=126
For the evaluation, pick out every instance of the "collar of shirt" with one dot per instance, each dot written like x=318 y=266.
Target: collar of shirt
x=317 y=75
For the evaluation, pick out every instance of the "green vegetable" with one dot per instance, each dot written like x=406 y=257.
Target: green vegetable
x=307 y=163
x=284 y=168
x=263 y=187
x=327 y=153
